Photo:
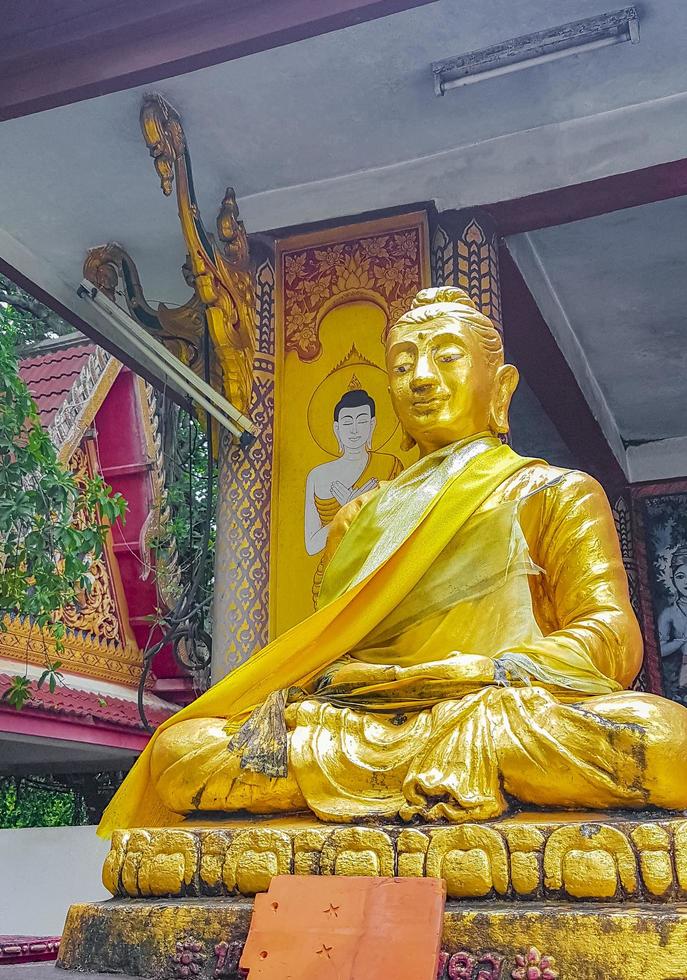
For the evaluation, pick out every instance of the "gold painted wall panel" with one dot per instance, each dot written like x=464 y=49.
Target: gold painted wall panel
x=338 y=291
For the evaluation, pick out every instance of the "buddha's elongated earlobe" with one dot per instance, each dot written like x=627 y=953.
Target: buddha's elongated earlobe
x=407 y=441
x=505 y=383
x=339 y=444
x=373 y=426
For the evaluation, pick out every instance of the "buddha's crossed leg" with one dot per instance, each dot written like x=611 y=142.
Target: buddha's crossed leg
x=193 y=768
x=619 y=750
x=615 y=750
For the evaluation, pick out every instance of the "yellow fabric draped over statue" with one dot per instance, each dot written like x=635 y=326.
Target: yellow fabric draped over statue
x=473 y=640
x=401 y=588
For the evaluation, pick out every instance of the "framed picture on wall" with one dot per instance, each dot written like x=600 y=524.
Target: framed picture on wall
x=660 y=512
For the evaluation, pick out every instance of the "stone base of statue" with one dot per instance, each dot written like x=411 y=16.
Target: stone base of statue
x=532 y=897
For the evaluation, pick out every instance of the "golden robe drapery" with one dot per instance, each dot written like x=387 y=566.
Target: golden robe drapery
x=474 y=628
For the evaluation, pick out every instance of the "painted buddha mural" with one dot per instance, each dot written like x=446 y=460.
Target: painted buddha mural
x=672 y=622
x=358 y=469
x=472 y=644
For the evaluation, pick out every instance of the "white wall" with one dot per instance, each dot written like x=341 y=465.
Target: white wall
x=42 y=871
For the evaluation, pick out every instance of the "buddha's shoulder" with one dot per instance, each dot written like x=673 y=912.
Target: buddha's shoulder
x=327 y=468
x=555 y=482
x=383 y=466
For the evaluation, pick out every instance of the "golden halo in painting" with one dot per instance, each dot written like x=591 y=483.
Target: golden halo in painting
x=352 y=373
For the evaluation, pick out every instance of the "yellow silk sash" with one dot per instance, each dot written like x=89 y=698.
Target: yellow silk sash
x=438 y=509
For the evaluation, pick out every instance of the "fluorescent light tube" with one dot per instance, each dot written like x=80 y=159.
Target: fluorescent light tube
x=134 y=337
x=537 y=49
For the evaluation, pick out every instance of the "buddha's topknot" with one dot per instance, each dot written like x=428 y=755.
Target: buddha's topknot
x=442 y=294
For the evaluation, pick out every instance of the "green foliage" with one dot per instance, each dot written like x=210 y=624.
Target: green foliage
x=36 y=802
x=18 y=692
x=51 y=526
x=188 y=498
x=51 y=675
x=30 y=320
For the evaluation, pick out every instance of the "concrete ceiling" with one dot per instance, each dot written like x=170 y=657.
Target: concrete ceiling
x=344 y=123
x=348 y=122
x=613 y=290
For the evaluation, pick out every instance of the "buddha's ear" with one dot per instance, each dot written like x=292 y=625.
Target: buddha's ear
x=505 y=383
x=407 y=441
x=335 y=427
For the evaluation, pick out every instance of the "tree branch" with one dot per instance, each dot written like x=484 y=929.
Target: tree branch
x=27 y=304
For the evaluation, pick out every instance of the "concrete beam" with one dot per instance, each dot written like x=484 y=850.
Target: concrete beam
x=664 y=459
x=56 y=54
x=504 y=168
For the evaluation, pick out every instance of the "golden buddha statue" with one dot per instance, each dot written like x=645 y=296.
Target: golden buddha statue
x=472 y=644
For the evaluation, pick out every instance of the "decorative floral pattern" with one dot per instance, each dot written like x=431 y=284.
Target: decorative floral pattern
x=478 y=269
x=533 y=966
x=188 y=959
x=96 y=611
x=228 y=958
x=388 y=265
x=243 y=522
x=469 y=966
x=442 y=258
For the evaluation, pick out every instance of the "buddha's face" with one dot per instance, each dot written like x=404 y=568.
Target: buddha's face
x=354 y=427
x=443 y=384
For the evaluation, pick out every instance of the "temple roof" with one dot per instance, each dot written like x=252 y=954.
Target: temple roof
x=100 y=419
x=51 y=372
x=69 y=378
x=91 y=707
x=79 y=390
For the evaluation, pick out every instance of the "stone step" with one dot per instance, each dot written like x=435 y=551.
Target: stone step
x=202 y=938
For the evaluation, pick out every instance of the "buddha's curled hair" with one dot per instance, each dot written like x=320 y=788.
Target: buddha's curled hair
x=430 y=303
x=443 y=294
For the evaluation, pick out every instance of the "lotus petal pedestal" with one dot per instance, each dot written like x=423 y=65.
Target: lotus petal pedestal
x=532 y=897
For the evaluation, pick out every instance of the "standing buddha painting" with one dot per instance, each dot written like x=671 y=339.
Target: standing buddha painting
x=336 y=436
x=663 y=515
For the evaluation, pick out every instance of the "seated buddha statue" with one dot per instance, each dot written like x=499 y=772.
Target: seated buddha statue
x=472 y=646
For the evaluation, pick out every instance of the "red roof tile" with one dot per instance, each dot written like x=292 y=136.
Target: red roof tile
x=90 y=708
x=50 y=376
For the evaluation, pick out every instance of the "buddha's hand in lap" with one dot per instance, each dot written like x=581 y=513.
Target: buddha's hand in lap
x=357 y=673
x=460 y=668
x=452 y=677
